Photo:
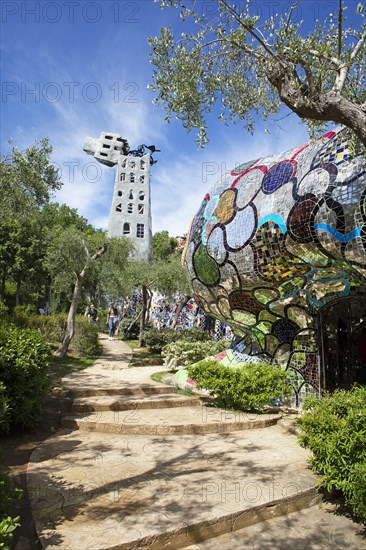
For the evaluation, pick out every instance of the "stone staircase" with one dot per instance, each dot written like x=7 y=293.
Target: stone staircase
x=137 y=465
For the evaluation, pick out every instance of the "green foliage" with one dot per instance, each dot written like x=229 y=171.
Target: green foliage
x=86 y=337
x=251 y=66
x=334 y=429
x=163 y=245
x=184 y=352
x=24 y=361
x=247 y=387
x=3 y=310
x=8 y=496
x=4 y=409
x=125 y=331
x=156 y=339
x=27 y=180
x=51 y=327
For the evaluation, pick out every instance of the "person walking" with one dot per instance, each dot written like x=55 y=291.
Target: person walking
x=112 y=320
x=92 y=313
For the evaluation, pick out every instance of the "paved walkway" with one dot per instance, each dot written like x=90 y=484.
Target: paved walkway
x=144 y=467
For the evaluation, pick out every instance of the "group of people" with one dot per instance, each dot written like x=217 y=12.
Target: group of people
x=112 y=318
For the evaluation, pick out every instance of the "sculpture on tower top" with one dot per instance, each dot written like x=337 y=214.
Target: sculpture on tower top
x=130 y=214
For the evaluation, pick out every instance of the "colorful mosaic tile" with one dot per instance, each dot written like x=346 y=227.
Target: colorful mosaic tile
x=276 y=242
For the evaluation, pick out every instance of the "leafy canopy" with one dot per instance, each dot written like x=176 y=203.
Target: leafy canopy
x=252 y=66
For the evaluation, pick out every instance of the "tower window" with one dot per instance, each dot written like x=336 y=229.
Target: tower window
x=126 y=229
x=123 y=176
x=132 y=164
x=140 y=230
x=142 y=179
x=130 y=197
x=141 y=195
x=142 y=164
x=130 y=208
x=132 y=177
x=119 y=193
x=119 y=207
x=141 y=208
x=124 y=162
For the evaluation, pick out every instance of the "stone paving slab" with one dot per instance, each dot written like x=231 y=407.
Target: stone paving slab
x=96 y=492
x=183 y=420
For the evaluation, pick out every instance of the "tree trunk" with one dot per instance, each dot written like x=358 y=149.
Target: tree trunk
x=70 y=329
x=47 y=295
x=143 y=316
x=3 y=280
x=321 y=106
x=184 y=300
x=148 y=306
x=17 y=292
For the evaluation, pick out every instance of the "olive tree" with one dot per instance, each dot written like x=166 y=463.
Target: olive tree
x=253 y=66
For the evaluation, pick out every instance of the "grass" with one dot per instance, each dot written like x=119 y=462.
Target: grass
x=158 y=376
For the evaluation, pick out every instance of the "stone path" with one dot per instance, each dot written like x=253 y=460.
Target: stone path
x=144 y=467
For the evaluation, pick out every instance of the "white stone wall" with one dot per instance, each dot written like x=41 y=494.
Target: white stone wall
x=130 y=214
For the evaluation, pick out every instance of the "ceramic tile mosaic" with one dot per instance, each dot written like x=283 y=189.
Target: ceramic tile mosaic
x=284 y=236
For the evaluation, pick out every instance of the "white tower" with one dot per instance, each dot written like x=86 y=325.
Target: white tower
x=130 y=214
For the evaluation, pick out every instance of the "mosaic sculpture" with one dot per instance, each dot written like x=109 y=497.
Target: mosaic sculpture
x=276 y=240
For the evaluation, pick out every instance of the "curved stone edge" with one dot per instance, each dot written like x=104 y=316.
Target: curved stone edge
x=214 y=527
x=180 y=429
x=173 y=402
x=226 y=523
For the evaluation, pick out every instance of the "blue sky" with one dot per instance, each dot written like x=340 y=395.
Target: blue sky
x=72 y=69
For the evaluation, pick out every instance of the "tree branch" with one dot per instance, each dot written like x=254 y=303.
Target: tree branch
x=290 y=15
x=359 y=45
x=247 y=28
x=340 y=22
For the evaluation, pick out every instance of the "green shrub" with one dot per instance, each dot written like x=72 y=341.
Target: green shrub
x=3 y=310
x=334 y=429
x=24 y=361
x=52 y=327
x=21 y=315
x=247 y=387
x=125 y=331
x=156 y=339
x=4 y=409
x=8 y=496
x=184 y=352
x=86 y=340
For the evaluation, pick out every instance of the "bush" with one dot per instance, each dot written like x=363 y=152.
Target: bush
x=184 y=352
x=8 y=495
x=52 y=327
x=125 y=331
x=24 y=361
x=86 y=340
x=247 y=387
x=4 y=409
x=156 y=339
x=333 y=428
x=3 y=310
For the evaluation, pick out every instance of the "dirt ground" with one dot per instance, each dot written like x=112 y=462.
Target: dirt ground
x=17 y=448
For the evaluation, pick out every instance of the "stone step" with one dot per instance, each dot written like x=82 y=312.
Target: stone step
x=85 y=405
x=131 y=389
x=183 y=420
x=133 y=492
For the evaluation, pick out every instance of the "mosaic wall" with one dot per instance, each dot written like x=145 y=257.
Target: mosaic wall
x=163 y=308
x=273 y=242
x=162 y=311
